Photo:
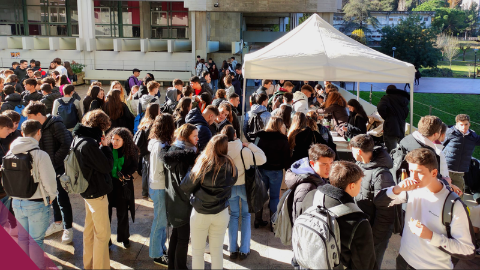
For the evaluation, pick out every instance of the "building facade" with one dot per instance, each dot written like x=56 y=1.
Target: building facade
x=162 y=37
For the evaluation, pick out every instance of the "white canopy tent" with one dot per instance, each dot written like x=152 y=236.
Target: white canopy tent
x=315 y=50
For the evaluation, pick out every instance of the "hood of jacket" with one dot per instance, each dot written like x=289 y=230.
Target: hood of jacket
x=261 y=90
x=258 y=108
x=51 y=119
x=399 y=92
x=299 y=96
x=380 y=158
x=302 y=166
x=145 y=100
x=195 y=116
x=23 y=144
x=152 y=143
x=52 y=96
x=14 y=97
x=90 y=132
x=234 y=148
x=172 y=96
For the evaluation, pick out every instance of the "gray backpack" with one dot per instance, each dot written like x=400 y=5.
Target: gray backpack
x=316 y=234
x=73 y=180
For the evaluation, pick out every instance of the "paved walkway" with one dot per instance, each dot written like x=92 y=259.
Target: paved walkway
x=429 y=85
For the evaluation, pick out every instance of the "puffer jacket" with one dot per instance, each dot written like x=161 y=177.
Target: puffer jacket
x=257 y=109
x=276 y=149
x=211 y=196
x=195 y=118
x=96 y=162
x=377 y=177
x=459 y=149
x=302 y=179
x=56 y=141
x=177 y=162
x=356 y=125
x=300 y=102
x=236 y=150
x=393 y=108
x=49 y=99
x=11 y=101
x=303 y=140
x=35 y=96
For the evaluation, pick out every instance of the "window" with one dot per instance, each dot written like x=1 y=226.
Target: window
x=117 y=18
x=39 y=17
x=169 y=20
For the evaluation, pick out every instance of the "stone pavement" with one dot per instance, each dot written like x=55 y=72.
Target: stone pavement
x=429 y=85
x=267 y=252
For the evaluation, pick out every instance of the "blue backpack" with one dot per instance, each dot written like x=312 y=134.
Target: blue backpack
x=19 y=109
x=137 y=121
x=68 y=112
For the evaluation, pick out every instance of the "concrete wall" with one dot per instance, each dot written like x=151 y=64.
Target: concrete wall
x=225 y=27
x=263 y=5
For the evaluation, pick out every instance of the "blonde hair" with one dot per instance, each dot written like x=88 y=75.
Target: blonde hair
x=122 y=91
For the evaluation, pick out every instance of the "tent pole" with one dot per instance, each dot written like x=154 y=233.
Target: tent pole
x=358 y=90
x=243 y=105
x=411 y=107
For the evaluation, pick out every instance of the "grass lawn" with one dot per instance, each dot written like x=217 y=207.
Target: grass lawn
x=450 y=103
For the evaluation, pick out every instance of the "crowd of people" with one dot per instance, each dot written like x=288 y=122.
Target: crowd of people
x=192 y=154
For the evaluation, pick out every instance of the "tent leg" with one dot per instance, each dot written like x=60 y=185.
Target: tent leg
x=358 y=90
x=411 y=107
x=243 y=105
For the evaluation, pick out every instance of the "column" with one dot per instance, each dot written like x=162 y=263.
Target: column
x=201 y=33
x=145 y=20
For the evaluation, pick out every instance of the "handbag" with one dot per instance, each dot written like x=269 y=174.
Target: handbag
x=257 y=194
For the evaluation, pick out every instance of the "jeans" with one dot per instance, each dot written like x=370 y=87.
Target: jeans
x=214 y=86
x=402 y=264
x=62 y=209
x=34 y=218
x=239 y=194
x=178 y=247
x=214 y=226
x=381 y=247
x=273 y=182
x=158 y=233
x=457 y=180
x=391 y=142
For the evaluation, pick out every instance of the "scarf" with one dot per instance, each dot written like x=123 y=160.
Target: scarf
x=117 y=163
x=185 y=145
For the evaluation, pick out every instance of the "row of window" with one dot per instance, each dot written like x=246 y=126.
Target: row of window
x=169 y=20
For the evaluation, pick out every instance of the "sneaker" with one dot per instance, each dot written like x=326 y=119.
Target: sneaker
x=243 y=256
x=161 y=261
x=233 y=255
x=67 y=236
x=54 y=228
x=207 y=249
x=126 y=244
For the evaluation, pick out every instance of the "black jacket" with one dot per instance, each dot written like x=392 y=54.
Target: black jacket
x=27 y=96
x=205 y=87
x=356 y=125
x=49 y=99
x=211 y=196
x=56 y=141
x=377 y=177
x=303 y=141
x=95 y=161
x=195 y=118
x=18 y=87
x=393 y=108
x=355 y=229
x=126 y=120
x=12 y=101
x=96 y=104
x=339 y=113
x=21 y=74
x=216 y=130
x=216 y=102
x=179 y=121
x=177 y=162
x=5 y=143
x=276 y=149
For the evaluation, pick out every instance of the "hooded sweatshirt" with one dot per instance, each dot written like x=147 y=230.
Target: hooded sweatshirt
x=256 y=109
x=234 y=148
x=195 y=118
x=300 y=102
x=145 y=100
x=11 y=101
x=156 y=177
x=43 y=171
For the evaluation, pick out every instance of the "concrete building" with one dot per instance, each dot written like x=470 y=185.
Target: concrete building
x=385 y=18
x=162 y=37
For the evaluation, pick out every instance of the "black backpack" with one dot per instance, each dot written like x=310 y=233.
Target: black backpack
x=17 y=175
x=127 y=87
x=168 y=108
x=254 y=125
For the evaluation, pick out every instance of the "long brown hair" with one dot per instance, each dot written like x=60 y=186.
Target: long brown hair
x=163 y=128
x=183 y=133
x=335 y=98
x=299 y=123
x=149 y=117
x=122 y=91
x=183 y=107
x=114 y=105
x=312 y=118
x=285 y=112
x=212 y=159
x=275 y=124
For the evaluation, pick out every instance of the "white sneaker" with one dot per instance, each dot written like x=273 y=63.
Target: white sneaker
x=54 y=228
x=207 y=249
x=67 y=236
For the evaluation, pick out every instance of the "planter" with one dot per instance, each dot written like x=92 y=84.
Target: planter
x=80 y=77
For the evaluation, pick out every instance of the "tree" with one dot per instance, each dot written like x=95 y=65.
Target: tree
x=454 y=3
x=450 y=47
x=359 y=36
x=431 y=5
x=464 y=48
x=414 y=42
x=471 y=19
x=358 y=12
x=383 y=5
x=448 y=20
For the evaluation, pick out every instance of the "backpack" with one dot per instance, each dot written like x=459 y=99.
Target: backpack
x=68 y=112
x=17 y=176
x=73 y=180
x=398 y=157
x=282 y=219
x=254 y=125
x=316 y=234
x=141 y=141
x=166 y=108
x=19 y=109
x=127 y=86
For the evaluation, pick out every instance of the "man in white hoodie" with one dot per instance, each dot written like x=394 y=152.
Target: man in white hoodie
x=300 y=99
x=34 y=213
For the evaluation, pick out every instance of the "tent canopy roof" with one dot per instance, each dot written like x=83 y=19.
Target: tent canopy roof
x=315 y=50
